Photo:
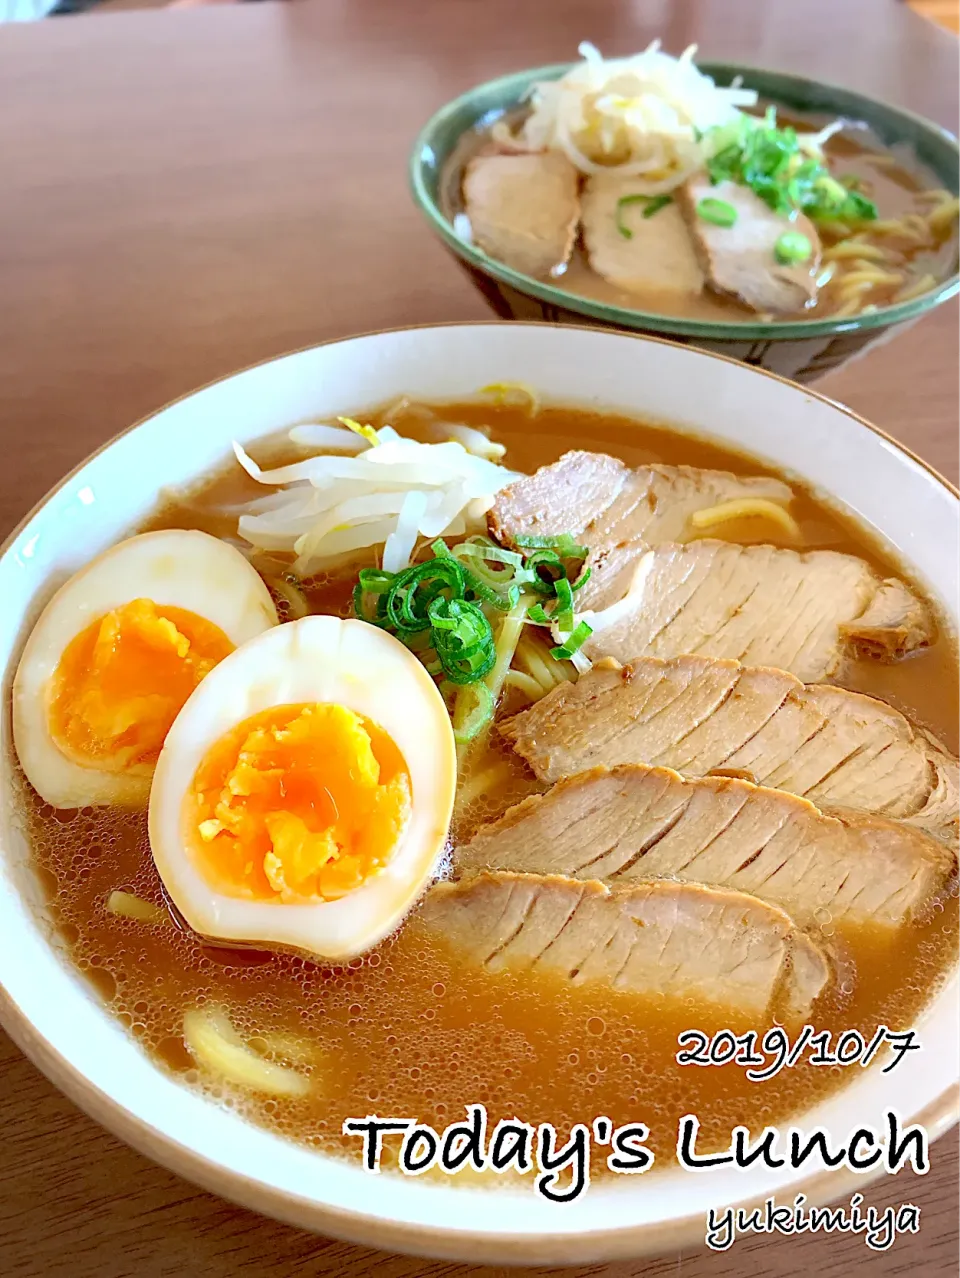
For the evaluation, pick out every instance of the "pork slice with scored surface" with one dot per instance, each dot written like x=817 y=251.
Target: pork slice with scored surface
x=604 y=503
x=701 y=715
x=762 y=605
x=523 y=208
x=673 y=939
x=637 y=822
x=741 y=259
x=636 y=253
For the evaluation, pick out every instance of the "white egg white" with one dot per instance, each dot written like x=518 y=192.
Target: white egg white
x=173 y=568
x=315 y=660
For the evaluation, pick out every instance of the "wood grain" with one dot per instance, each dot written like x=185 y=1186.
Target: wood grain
x=186 y=193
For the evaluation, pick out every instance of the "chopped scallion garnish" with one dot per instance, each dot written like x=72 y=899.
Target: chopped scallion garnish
x=482 y=548
x=476 y=718
x=482 y=583
x=717 y=212
x=771 y=162
x=563 y=611
x=562 y=543
x=582 y=579
x=573 y=642
x=656 y=203
x=426 y=607
x=441 y=608
x=547 y=567
x=623 y=203
x=792 y=248
x=653 y=204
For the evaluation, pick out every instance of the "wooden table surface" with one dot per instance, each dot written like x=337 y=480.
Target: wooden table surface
x=187 y=192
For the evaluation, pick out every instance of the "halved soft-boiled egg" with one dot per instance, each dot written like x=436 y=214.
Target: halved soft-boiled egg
x=116 y=653
x=303 y=795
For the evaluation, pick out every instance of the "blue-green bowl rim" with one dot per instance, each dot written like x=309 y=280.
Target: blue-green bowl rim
x=650 y=320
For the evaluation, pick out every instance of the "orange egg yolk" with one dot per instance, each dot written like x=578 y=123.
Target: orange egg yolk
x=123 y=680
x=299 y=802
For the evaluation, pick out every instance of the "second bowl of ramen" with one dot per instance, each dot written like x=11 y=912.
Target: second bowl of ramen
x=765 y=216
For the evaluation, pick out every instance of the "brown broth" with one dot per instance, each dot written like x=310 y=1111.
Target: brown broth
x=414 y=1030
x=895 y=185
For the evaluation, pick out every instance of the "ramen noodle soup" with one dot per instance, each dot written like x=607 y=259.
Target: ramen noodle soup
x=472 y=753
x=639 y=183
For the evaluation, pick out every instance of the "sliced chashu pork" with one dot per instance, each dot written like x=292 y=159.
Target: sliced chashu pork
x=703 y=714
x=674 y=939
x=636 y=253
x=762 y=605
x=824 y=600
x=605 y=504
x=741 y=259
x=523 y=208
x=636 y=822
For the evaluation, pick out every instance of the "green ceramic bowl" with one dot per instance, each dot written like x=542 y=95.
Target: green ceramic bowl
x=801 y=349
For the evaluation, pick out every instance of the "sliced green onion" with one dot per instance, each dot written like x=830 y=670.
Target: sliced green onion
x=717 y=212
x=858 y=208
x=477 y=718
x=360 y=606
x=459 y=627
x=502 y=603
x=484 y=548
x=657 y=202
x=654 y=203
x=770 y=162
x=582 y=579
x=573 y=642
x=444 y=614
x=439 y=608
x=566 y=546
x=562 y=543
x=489 y=594
x=563 y=612
x=474 y=583
x=547 y=567
x=544 y=558
x=481 y=579
x=792 y=248
x=413 y=590
x=831 y=189
x=468 y=670
x=372 y=582
x=463 y=639
x=490 y=561
x=375 y=580
x=624 y=202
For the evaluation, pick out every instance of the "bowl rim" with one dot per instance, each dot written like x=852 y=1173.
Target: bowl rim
x=366 y=1228
x=640 y=320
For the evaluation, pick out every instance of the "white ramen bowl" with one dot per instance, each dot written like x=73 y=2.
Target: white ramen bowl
x=54 y=1015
